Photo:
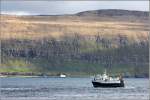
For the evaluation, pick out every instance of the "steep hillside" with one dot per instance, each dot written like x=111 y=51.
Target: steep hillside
x=82 y=43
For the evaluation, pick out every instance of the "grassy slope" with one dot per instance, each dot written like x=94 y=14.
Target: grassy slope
x=39 y=27
x=73 y=67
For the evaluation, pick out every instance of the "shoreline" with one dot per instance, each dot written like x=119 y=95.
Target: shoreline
x=56 y=75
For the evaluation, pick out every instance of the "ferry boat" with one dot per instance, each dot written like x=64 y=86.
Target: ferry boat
x=107 y=81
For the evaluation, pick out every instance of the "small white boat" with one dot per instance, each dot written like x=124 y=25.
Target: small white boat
x=62 y=75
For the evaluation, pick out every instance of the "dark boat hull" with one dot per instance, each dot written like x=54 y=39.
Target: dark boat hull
x=109 y=85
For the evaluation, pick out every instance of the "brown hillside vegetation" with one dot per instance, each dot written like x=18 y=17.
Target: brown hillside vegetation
x=84 y=23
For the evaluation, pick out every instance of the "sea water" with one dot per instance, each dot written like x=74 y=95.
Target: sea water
x=70 y=89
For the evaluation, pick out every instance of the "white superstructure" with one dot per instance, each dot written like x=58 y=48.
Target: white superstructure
x=106 y=79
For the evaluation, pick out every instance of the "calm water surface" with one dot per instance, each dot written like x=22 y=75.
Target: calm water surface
x=70 y=89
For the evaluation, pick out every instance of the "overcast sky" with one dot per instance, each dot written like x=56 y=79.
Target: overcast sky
x=67 y=7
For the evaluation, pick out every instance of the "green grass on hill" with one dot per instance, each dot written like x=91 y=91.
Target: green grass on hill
x=68 y=67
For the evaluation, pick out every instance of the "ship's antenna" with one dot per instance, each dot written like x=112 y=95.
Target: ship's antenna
x=105 y=71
